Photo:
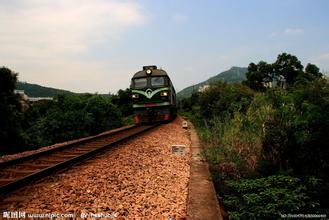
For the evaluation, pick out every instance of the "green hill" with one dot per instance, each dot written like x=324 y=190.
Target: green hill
x=34 y=90
x=235 y=74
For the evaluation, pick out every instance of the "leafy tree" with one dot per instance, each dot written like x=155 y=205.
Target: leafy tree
x=259 y=76
x=10 y=138
x=104 y=114
x=312 y=69
x=287 y=70
x=124 y=102
x=8 y=81
x=287 y=67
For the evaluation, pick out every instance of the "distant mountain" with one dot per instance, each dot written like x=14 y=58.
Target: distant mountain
x=34 y=90
x=235 y=74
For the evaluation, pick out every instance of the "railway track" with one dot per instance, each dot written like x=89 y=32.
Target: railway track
x=19 y=172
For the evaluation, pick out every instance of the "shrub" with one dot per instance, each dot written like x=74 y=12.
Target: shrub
x=297 y=136
x=237 y=139
x=69 y=117
x=267 y=198
x=221 y=99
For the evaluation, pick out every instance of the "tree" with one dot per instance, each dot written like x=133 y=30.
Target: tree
x=287 y=68
x=104 y=114
x=10 y=139
x=313 y=70
x=8 y=81
x=123 y=101
x=259 y=76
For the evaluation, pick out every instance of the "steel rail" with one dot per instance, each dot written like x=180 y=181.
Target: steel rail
x=62 y=147
x=65 y=163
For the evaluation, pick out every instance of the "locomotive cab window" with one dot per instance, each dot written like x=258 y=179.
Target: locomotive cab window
x=157 y=81
x=140 y=83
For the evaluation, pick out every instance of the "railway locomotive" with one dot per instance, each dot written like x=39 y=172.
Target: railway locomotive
x=153 y=95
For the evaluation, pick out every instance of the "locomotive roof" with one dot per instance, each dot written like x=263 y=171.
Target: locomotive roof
x=155 y=72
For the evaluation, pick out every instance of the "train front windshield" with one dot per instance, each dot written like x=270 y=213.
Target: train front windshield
x=157 y=81
x=140 y=83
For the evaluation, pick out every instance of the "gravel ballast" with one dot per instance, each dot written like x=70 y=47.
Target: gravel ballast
x=138 y=178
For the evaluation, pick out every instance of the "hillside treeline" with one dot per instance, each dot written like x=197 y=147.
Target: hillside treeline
x=267 y=139
x=65 y=118
x=33 y=90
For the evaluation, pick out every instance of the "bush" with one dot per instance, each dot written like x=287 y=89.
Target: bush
x=222 y=99
x=237 y=139
x=297 y=136
x=69 y=117
x=267 y=198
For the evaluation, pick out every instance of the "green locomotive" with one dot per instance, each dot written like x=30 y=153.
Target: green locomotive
x=153 y=95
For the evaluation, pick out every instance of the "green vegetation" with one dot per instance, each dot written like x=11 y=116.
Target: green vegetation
x=67 y=117
x=267 y=139
x=34 y=90
x=267 y=198
x=10 y=110
x=235 y=74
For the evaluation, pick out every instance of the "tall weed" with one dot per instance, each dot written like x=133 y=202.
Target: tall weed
x=237 y=140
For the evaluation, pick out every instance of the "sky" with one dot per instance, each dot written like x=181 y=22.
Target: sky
x=97 y=45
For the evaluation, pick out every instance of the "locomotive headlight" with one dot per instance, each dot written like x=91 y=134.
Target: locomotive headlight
x=164 y=94
x=134 y=96
x=148 y=71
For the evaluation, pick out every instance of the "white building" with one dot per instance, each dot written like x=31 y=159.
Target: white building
x=26 y=100
x=203 y=88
